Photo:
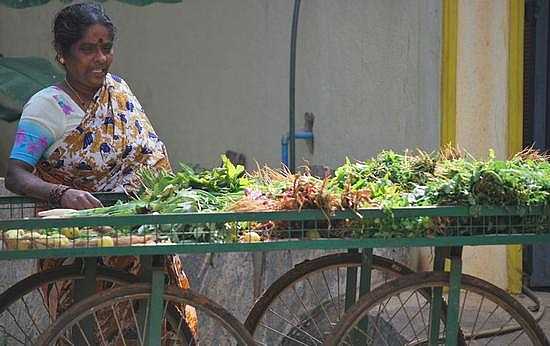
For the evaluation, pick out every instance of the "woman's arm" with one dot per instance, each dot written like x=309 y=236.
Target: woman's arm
x=22 y=181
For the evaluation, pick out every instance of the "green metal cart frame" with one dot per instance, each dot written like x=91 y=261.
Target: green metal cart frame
x=492 y=226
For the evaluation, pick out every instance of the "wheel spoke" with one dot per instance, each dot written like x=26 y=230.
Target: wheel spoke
x=500 y=329
x=298 y=327
x=420 y=309
x=82 y=333
x=119 y=327
x=320 y=301
x=100 y=330
x=285 y=336
x=6 y=333
x=477 y=317
x=30 y=315
x=517 y=337
x=330 y=292
x=21 y=329
x=408 y=317
x=134 y=317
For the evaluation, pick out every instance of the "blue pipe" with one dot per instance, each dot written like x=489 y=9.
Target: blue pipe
x=305 y=135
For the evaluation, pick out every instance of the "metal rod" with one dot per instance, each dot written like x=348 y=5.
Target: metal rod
x=351 y=284
x=83 y=289
x=437 y=299
x=364 y=288
x=156 y=308
x=454 y=299
x=292 y=88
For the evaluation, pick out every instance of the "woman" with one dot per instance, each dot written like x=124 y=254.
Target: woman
x=86 y=134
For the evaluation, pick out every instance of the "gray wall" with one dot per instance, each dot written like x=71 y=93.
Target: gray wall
x=213 y=75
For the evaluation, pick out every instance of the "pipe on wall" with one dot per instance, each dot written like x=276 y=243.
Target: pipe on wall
x=292 y=89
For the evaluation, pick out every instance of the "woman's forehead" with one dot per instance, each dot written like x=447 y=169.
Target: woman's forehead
x=96 y=33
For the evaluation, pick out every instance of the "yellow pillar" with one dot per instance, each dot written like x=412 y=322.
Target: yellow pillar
x=516 y=13
x=481 y=103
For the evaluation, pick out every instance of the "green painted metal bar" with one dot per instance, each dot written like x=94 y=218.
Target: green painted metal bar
x=366 y=271
x=83 y=289
x=437 y=299
x=367 y=259
x=322 y=244
x=454 y=301
x=303 y=215
x=156 y=308
x=145 y=276
x=351 y=284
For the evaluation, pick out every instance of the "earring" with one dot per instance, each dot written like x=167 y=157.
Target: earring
x=62 y=61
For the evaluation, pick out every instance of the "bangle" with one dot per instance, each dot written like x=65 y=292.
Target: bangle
x=56 y=193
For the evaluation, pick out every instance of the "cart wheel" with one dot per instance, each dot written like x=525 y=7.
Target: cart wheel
x=23 y=309
x=397 y=313
x=127 y=305
x=303 y=305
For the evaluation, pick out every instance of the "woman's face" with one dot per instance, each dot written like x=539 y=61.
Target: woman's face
x=90 y=57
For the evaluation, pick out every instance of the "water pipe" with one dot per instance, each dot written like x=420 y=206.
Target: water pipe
x=291 y=142
x=305 y=135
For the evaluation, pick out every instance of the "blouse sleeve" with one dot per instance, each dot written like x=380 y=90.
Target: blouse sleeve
x=41 y=124
x=31 y=141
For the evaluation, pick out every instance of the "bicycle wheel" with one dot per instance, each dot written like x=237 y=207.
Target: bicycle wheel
x=304 y=304
x=398 y=313
x=134 y=301
x=23 y=310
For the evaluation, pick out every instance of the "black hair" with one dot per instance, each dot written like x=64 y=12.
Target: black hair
x=71 y=23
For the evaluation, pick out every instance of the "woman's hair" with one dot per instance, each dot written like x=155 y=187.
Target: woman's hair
x=71 y=23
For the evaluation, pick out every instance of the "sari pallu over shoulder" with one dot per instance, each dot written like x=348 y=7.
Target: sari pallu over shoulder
x=112 y=142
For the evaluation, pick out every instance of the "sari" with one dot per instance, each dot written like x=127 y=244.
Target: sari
x=103 y=153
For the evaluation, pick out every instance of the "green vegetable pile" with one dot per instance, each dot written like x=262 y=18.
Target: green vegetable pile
x=387 y=181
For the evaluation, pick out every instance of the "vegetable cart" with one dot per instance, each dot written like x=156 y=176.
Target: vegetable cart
x=348 y=298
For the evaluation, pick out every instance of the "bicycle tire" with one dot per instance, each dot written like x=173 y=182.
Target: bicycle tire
x=133 y=292
x=310 y=267
x=438 y=279
x=36 y=281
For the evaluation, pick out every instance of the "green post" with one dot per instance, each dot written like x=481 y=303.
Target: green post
x=351 y=284
x=83 y=289
x=437 y=298
x=364 y=288
x=454 y=300
x=156 y=307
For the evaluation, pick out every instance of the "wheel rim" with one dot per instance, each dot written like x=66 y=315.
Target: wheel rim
x=24 y=312
x=133 y=301
x=398 y=314
x=303 y=306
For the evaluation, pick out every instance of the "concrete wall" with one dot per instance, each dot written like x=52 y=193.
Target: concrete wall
x=213 y=75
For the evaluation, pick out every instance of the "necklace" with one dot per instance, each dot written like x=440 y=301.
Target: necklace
x=82 y=103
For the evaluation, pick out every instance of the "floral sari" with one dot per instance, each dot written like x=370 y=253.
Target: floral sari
x=114 y=140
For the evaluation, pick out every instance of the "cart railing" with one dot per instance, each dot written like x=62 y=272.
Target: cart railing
x=275 y=230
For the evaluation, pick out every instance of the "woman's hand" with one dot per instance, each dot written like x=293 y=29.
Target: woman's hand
x=78 y=199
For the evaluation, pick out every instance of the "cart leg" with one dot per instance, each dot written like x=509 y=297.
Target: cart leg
x=437 y=299
x=454 y=297
x=351 y=284
x=364 y=288
x=82 y=289
x=156 y=306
